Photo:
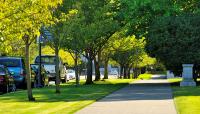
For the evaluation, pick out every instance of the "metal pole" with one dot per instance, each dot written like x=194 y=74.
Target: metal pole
x=39 y=68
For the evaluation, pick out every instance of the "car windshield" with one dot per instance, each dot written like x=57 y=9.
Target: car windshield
x=46 y=59
x=70 y=71
x=34 y=67
x=10 y=62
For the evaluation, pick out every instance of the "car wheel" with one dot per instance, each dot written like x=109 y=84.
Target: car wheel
x=23 y=84
x=66 y=80
x=35 y=84
x=6 y=89
x=63 y=80
x=47 y=82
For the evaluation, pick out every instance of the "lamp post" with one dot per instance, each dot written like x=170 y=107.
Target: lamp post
x=40 y=65
x=45 y=36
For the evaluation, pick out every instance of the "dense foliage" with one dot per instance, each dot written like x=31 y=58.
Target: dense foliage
x=22 y=20
x=174 y=40
x=103 y=31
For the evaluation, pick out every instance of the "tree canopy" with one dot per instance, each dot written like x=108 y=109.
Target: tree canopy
x=22 y=20
x=174 y=40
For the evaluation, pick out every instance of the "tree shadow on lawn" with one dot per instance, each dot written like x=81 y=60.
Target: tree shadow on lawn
x=177 y=84
x=69 y=93
x=185 y=91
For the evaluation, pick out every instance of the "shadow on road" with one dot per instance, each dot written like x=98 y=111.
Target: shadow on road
x=142 y=91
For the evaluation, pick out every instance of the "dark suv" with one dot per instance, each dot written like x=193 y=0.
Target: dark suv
x=16 y=66
x=6 y=80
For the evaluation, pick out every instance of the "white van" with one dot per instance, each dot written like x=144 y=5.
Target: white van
x=48 y=61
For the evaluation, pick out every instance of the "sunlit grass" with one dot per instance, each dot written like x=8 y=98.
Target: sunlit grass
x=187 y=99
x=145 y=76
x=175 y=80
x=71 y=99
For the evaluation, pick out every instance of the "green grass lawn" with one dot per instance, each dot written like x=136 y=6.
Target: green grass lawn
x=175 y=81
x=145 y=76
x=187 y=99
x=71 y=99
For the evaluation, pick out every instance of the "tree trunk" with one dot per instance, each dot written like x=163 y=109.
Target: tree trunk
x=139 y=71
x=89 y=71
x=125 y=72
x=121 y=71
x=135 y=73
x=128 y=73
x=28 y=78
x=106 y=69
x=97 y=71
x=76 y=68
x=57 y=70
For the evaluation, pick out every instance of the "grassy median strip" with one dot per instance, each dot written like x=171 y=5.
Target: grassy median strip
x=187 y=99
x=70 y=100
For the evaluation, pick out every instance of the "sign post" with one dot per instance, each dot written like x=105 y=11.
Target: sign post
x=44 y=37
x=40 y=41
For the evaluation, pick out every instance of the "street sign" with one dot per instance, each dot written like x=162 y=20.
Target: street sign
x=45 y=36
x=48 y=35
x=41 y=39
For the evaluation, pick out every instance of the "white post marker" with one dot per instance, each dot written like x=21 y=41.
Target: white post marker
x=187 y=75
x=170 y=74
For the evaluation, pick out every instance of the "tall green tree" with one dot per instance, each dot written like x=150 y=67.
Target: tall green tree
x=138 y=15
x=109 y=49
x=100 y=26
x=167 y=29
x=129 y=51
x=174 y=41
x=57 y=37
x=91 y=29
x=61 y=33
x=24 y=19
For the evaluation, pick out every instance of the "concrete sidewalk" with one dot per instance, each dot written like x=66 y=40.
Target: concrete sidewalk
x=142 y=97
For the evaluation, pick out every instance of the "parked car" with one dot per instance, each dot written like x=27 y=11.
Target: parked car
x=44 y=75
x=6 y=80
x=114 y=72
x=48 y=61
x=33 y=77
x=66 y=76
x=71 y=74
x=16 y=66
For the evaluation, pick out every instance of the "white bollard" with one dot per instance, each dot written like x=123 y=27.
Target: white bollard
x=170 y=74
x=187 y=75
